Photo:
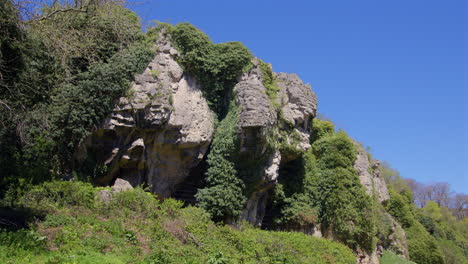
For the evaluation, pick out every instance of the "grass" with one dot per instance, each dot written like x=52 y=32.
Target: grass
x=135 y=227
x=392 y=258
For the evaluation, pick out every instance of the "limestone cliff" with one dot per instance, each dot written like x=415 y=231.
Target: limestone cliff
x=159 y=134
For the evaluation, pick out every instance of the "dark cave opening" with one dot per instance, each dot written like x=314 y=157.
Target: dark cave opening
x=291 y=177
x=186 y=190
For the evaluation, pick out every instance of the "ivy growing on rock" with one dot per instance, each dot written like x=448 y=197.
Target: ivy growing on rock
x=328 y=187
x=223 y=196
x=216 y=66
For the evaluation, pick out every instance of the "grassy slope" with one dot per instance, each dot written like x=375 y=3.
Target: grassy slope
x=136 y=228
x=391 y=258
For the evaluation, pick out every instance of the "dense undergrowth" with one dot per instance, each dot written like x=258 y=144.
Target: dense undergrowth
x=433 y=233
x=73 y=226
x=391 y=258
x=60 y=76
x=326 y=190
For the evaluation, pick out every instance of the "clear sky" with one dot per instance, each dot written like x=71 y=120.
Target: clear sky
x=393 y=74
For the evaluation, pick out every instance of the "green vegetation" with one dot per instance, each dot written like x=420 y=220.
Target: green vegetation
x=135 y=227
x=69 y=67
x=224 y=196
x=451 y=235
x=422 y=247
x=269 y=82
x=216 y=66
x=392 y=258
x=324 y=188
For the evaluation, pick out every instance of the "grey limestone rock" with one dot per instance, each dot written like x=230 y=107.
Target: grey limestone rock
x=159 y=131
x=370 y=175
x=298 y=108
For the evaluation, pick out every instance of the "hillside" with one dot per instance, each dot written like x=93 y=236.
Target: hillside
x=123 y=146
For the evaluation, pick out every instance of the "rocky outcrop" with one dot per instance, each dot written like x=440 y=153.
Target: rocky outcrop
x=370 y=175
x=257 y=120
x=371 y=178
x=396 y=241
x=159 y=131
x=298 y=107
x=119 y=186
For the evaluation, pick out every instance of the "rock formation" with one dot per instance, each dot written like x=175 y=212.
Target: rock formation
x=371 y=178
x=370 y=175
x=159 y=131
x=162 y=129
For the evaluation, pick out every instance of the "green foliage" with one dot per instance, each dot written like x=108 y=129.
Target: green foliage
x=422 y=246
x=51 y=195
x=80 y=106
x=224 y=196
x=400 y=208
x=216 y=66
x=269 y=82
x=453 y=252
x=391 y=258
x=451 y=235
x=321 y=128
x=75 y=232
x=69 y=67
x=325 y=186
x=81 y=39
x=344 y=205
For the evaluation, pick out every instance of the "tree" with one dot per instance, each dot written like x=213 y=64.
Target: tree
x=459 y=205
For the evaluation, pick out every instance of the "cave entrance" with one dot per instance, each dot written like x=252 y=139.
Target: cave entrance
x=270 y=212
x=291 y=177
x=186 y=190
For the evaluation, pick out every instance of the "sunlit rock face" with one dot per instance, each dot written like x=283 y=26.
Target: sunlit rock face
x=370 y=175
x=157 y=132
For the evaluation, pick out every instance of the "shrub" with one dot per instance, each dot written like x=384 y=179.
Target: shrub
x=399 y=208
x=325 y=184
x=423 y=248
x=321 y=128
x=269 y=82
x=134 y=202
x=224 y=196
x=57 y=194
x=391 y=258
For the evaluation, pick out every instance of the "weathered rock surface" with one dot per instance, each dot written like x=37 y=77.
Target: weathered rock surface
x=397 y=239
x=256 y=121
x=120 y=185
x=259 y=120
x=371 y=178
x=370 y=175
x=298 y=108
x=159 y=131
x=256 y=108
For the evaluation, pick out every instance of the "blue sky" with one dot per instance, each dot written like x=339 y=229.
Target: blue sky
x=390 y=73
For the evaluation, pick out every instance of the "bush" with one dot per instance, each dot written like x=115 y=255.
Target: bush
x=422 y=247
x=325 y=184
x=224 y=196
x=57 y=194
x=321 y=128
x=107 y=234
x=399 y=208
x=391 y=258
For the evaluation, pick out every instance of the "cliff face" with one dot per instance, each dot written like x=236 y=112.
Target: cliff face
x=159 y=135
x=371 y=178
x=159 y=131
